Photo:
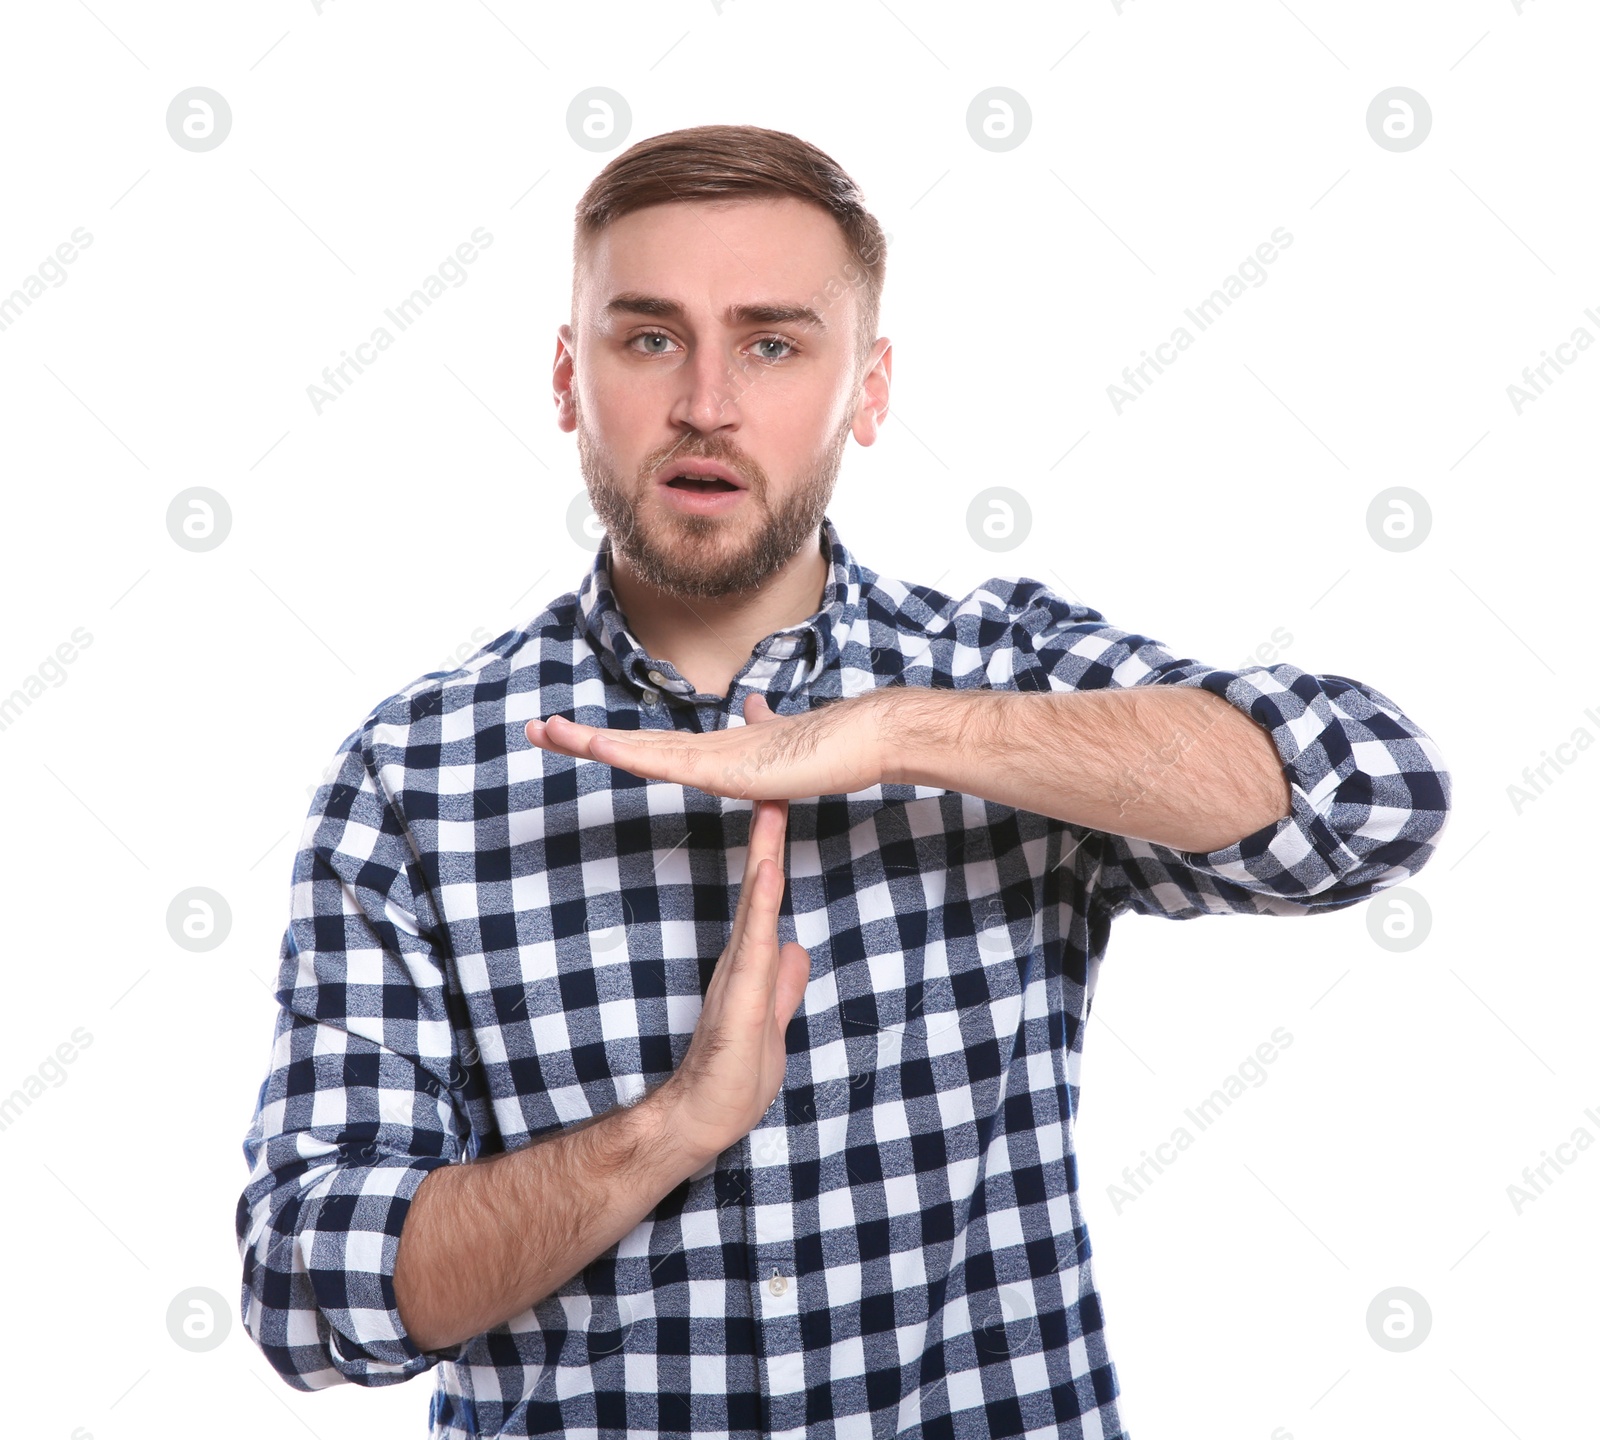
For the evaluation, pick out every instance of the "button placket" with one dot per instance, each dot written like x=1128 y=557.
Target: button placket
x=776 y=1285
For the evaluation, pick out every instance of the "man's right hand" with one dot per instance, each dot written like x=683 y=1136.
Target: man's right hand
x=735 y=1063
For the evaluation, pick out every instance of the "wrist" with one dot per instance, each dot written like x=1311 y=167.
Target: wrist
x=890 y=734
x=918 y=733
x=679 y=1134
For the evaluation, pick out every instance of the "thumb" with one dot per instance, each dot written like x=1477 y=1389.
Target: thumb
x=756 y=708
x=794 y=971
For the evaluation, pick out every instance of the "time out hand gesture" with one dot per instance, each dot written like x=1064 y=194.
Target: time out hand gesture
x=734 y=1066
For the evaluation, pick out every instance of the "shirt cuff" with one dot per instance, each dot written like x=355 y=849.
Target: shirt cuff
x=1353 y=827
x=348 y=1238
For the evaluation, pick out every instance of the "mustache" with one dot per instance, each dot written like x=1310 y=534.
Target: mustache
x=741 y=464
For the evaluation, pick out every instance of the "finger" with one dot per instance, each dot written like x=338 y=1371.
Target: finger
x=568 y=737
x=766 y=843
x=675 y=762
x=768 y=826
x=669 y=756
x=751 y=861
x=563 y=736
x=756 y=708
x=556 y=732
x=759 y=939
x=761 y=920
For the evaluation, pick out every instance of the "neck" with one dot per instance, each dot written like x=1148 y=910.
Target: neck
x=709 y=641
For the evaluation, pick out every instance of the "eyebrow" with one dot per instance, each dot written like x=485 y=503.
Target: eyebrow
x=631 y=302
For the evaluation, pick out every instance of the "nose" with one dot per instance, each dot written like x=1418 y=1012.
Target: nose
x=709 y=390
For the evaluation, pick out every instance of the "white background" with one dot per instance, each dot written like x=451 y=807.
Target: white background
x=424 y=511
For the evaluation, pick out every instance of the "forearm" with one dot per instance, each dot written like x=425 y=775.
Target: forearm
x=485 y=1240
x=1180 y=767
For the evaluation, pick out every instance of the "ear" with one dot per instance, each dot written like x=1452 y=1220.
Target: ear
x=561 y=380
x=872 y=406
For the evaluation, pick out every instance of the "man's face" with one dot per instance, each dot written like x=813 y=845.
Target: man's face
x=707 y=342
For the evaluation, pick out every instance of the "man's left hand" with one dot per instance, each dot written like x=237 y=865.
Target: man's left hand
x=832 y=750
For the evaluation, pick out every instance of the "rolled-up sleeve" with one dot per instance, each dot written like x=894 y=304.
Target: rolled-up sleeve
x=357 y=1107
x=1369 y=792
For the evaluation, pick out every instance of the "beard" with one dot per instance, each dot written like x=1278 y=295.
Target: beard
x=705 y=557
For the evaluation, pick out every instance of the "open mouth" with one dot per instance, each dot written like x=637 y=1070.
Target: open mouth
x=700 y=484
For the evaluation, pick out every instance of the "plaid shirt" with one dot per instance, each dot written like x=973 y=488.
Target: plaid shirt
x=489 y=942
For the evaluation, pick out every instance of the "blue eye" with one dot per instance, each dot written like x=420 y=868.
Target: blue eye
x=789 y=346
x=777 y=340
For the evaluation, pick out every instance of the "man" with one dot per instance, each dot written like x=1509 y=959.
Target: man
x=683 y=1000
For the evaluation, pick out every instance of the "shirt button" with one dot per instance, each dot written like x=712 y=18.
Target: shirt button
x=657 y=678
x=778 y=1284
x=650 y=697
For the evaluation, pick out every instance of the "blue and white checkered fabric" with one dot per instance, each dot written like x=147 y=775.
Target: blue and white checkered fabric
x=489 y=942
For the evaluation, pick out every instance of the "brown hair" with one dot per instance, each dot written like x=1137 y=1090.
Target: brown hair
x=732 y=162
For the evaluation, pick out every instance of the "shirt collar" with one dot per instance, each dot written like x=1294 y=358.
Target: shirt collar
x=816 y=641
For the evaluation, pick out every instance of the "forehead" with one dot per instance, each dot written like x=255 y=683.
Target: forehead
x=713 y=253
